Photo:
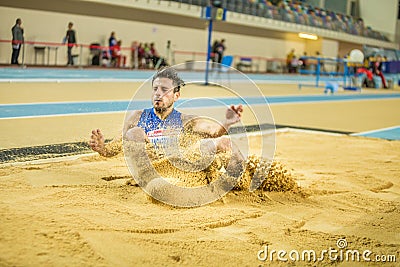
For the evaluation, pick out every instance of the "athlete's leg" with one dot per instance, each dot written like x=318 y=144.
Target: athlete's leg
x=135 y=134
x=138 y=155
x=234 y=163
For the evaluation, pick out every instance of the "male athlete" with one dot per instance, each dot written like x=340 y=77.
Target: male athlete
x=148 y=125
x=156 y=124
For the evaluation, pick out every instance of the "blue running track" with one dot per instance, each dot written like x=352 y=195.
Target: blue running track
x=13 y=111
x=69 y=108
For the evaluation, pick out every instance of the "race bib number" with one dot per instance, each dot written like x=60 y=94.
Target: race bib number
x=163 y=138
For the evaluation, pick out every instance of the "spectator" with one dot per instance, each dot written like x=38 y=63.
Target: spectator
x=17 y=40
x=154 y=55
x=338 y=64
x=303 y=60
x=112 y=41
x=366 y=81
x=328 y=23
x=293 y=65
x=119 y=60
x=134 y=55
x=147 y=56
x=301 y=13
x=360 y=27
x=70 y=39
x=377 y=70
x=220 y=50
x=141 y=55
x=214 y=51
x=289 y=58
x=105 y=58
x=320 y=61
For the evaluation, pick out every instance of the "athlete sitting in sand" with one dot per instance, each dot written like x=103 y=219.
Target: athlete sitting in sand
x=147 y=125
x=154 y=125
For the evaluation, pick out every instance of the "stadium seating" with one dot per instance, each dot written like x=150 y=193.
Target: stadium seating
x=297 y=12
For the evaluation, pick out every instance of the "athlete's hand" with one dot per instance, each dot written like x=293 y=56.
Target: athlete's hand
x=97 y=141
x=233 y=114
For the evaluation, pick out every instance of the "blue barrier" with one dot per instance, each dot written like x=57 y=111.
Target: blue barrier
x=318 y=72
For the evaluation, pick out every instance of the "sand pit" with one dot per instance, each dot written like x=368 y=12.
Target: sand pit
x=81 y=212
x=187 y=170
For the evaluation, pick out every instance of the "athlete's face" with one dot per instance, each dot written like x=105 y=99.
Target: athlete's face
x=163 y=95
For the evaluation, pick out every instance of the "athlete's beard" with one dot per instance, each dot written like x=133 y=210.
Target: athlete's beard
x=161 y=110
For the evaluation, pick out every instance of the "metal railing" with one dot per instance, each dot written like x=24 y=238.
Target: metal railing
x=41 y=53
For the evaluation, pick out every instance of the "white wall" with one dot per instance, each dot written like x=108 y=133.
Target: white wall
x=345 y=48
x=51 y=27
x=330 y=48
x=46 y=26
x=243 y=37
x=381 y=15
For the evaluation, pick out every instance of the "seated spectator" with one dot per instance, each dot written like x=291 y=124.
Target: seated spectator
x=301 y=13
x=360 y=27
x=147 y=56
x=269 y=8
x=134 y=54
x=141 y=56
x=329 y=23
x=154 y=55
x=293 y=65
x=303 y=60
x=105 y=58
x=118 y=59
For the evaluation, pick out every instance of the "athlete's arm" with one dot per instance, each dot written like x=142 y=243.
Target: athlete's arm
x=213 y=129
x=131 y=121
x=98 y=144
x=114 y=147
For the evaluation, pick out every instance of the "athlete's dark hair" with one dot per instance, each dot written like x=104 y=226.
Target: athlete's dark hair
x=172 y=74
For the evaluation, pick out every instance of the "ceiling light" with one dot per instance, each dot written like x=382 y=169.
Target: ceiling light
x=309 y=36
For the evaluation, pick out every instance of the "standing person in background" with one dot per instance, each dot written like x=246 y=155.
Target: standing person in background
x=289 y=59
x=141 y=56
x=154 y=55
x=112 y=41
x=17 y=40
x=147 y=55
x=220 y=50
x=321 y=62
x=134 y=55
x=70 y=39
x=214 y=55
x=119 y=58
